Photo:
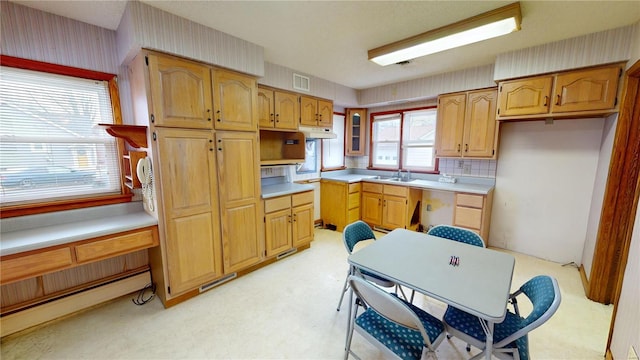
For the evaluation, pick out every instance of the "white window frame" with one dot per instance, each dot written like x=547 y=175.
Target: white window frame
x=403 y=146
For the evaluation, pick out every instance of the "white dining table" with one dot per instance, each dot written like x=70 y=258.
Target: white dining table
x=471 y=278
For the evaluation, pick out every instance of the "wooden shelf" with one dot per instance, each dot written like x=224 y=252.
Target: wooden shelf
x=134 y=135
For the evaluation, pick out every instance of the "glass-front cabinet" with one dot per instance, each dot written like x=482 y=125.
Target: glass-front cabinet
x=355 y=134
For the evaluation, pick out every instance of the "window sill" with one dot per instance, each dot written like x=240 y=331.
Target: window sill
x=33 y=209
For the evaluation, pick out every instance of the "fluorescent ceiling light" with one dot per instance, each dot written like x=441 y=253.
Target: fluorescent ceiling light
x=485 y=26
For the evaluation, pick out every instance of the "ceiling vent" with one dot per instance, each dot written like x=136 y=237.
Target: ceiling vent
x=300 y=82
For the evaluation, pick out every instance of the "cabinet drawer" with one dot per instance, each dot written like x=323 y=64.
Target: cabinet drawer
x=353 y=215
x=396 y=190
x=468 y=217
x=475 y=201
x=354 y=200
x=37 y=264
x=114 y=246
x=371 y=187
x=302 y=198
x=355 y=187
x=280 y=203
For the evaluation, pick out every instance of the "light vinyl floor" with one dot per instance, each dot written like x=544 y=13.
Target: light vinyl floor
x=287 y=310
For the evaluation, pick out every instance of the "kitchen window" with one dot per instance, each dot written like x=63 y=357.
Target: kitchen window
x=404 y=140
x=333 y=149
x=51 y=149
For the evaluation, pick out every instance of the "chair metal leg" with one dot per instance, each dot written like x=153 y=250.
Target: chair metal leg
x=344 y=289
x=398 y=287
x=413 y=292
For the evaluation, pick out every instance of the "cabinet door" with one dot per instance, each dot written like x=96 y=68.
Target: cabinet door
x=480 y=124
x=372 y=208
x=355 y=137
x=302 y=224
x=586 y=90
x=278 y=231
x=180 y=93
x=449 y=125
x=308 y=111
x=524 y=97
x=239 y=191
x=286 y=110
x=394 y=213
x=266 y=112
x=333 y=197
x=186 y=176
x=325 y=113
x=234 y=101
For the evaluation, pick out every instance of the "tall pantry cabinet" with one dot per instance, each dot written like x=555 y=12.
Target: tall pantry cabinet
x=204 y=145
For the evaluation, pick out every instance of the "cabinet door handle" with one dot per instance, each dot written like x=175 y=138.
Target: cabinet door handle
x=378 y=202
x=289 y=216
x=271 y=116
x=558 y=99
x=385 y=203
x=218 y=112
x=277 y=117
x=466 y=147
x=458 y=147
x=295 y=217
x=546 y=101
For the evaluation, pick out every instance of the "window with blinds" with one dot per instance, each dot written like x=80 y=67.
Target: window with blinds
x=333 y=149
x=404 y=140
x=50 y=146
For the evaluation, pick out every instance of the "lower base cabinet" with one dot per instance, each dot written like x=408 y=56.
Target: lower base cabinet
x=288 y=222
x=391 y=206
x=473 y=212
x=340 y=203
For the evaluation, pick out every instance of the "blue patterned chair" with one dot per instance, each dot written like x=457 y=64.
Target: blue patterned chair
x=510 y=339
x=397 y=327
x=458 y=234
x=351 y=235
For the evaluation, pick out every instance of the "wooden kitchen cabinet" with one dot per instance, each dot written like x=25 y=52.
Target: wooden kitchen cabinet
x=180 y=92
x=473 y=211
x=340 y=203
x=356 y=134
x=578 y=93
x=207 y=182
x=466 y=124
x=234 y=101
x=316 y=112
x=391 y=206
x=288 y=222
x=277 y=109
x=239 y=194
x=187 y=181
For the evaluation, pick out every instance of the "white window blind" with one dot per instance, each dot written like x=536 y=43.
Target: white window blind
x=333 y=149
x=418 y=139
x=50 y=146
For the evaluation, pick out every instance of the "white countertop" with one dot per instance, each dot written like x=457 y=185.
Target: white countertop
x=275 y=190
x=482 y=189
x=43 y=233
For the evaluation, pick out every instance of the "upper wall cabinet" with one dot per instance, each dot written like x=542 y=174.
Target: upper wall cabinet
x=355 y=137
x=316 y=112
x=181 y=93
x=234 y=101
x=466 y=124
x=579 y=93
x=277 y=109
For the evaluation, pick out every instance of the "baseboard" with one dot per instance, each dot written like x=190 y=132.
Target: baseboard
x=41 y=314
x=583 y=277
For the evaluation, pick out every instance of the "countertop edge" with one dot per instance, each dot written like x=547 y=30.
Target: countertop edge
x=16 y=242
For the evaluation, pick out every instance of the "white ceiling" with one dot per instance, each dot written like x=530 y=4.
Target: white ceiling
x=330 y=39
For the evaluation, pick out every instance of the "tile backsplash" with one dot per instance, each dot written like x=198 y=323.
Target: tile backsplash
x=457 y=167
x=468 y=167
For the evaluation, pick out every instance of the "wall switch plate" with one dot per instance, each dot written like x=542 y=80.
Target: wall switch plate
x=460 y=164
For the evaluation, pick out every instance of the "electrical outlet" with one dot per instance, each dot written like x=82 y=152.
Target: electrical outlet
x=428 y=207
x=466 y=169
x=460 y=164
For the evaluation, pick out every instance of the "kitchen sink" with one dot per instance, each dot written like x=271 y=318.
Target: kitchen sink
x=378 y=177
